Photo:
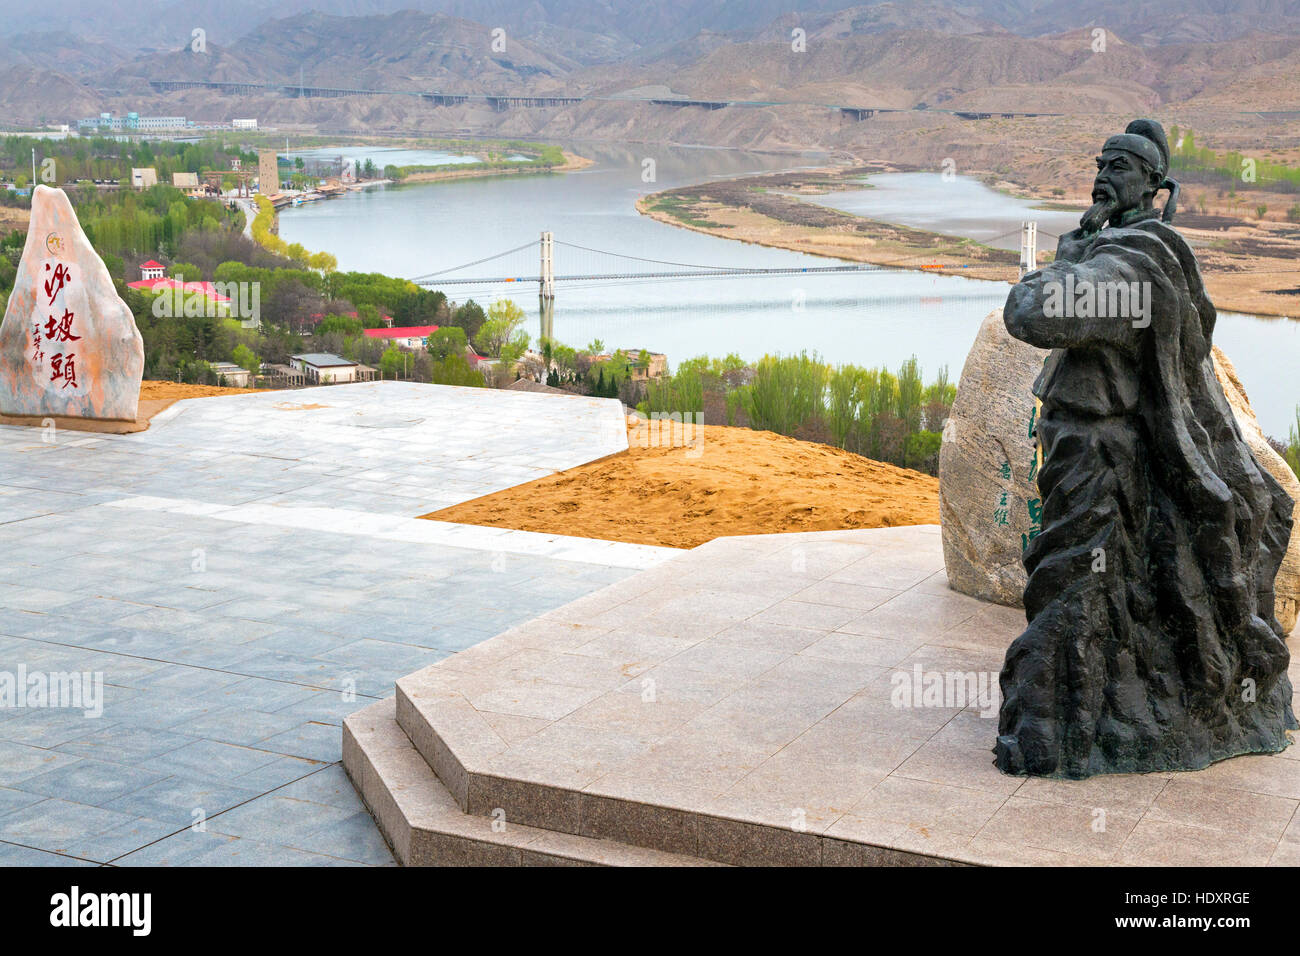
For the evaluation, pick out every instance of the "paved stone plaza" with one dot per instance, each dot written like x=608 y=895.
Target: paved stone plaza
x=244 y=574
x=739 y=704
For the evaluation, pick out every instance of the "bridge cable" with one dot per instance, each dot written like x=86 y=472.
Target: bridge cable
x=499 y=255
x=662 y=262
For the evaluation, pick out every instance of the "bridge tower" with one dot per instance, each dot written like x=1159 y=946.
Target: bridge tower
x=1028 y=247
x=546 y=290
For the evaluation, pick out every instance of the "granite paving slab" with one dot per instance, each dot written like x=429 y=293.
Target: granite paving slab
x=242 y=576
x=819 y=698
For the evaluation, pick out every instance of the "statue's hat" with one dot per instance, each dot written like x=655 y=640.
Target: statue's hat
x=1144 y=138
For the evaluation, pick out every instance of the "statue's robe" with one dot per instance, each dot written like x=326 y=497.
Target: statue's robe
x=1151 y=642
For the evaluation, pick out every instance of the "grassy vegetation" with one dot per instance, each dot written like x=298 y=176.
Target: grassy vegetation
x=1197 y=164
x=540 y=157
x=683 y=210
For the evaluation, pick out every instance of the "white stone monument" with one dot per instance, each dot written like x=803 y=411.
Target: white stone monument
x=68 y=344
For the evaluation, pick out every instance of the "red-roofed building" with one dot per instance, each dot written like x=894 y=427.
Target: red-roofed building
x=407 y=337
x=153 y=280
x=164 y=284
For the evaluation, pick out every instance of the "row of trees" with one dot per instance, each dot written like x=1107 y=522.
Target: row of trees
x=889 y=416
x=124 y=225
x=295 y=252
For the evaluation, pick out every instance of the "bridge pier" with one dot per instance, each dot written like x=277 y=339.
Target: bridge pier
x=1028 y=247
x=546 y=287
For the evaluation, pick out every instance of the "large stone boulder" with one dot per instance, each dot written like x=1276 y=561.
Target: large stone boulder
x=988 y=496
x=68 y=343
x=1286 y=587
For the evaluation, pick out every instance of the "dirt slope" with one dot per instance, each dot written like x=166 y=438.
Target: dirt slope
x=734 y=481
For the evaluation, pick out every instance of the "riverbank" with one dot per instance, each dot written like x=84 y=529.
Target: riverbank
x=572 y=162
x=764 y=210
x=1249 y=265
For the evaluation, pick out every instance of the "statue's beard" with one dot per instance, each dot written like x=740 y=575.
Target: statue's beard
x=1105 y=205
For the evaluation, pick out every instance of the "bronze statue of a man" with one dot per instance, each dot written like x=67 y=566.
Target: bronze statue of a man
x=1151 y=642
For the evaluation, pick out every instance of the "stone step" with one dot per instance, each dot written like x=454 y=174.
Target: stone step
x=425 y=826
x=447 y=736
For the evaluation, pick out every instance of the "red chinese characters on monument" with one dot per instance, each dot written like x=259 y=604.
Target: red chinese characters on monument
x=55 y=339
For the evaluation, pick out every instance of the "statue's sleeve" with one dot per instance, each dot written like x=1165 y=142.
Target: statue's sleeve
x=1043 y=309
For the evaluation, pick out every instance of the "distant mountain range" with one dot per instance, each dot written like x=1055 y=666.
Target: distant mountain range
x=400 y=51
x=985 y=55
x=594 y=31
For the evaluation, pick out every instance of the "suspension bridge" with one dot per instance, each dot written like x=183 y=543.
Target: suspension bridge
x=545 y=276
x=602 y=267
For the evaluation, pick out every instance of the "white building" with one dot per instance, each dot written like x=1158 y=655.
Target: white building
x=324 y=368
x=144 y=178
x=152 y=270
x=407 y=337
x=231 y=375
x=244 y=123
x=132 y=121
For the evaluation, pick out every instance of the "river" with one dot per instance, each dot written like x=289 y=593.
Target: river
x=867 y=319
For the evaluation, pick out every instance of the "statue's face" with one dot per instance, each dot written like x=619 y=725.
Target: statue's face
x=1122 y=178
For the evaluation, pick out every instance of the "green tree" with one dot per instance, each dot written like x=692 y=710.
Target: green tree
x=455 y=370
x=322 y=261
x=501 y=331
x=245 y=358
x=911 y=391
x=339 y=324
x=921 y=451
x=421 y=307
x=186 y=271
x=786 y=392
x=469 y=317
x=447 y=341
x=392 y=363
x=298 y=253
x=845 y=405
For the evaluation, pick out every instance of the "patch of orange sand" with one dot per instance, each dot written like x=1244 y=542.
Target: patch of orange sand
x=175 y=391
x=154 y=398
x=737 y=481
